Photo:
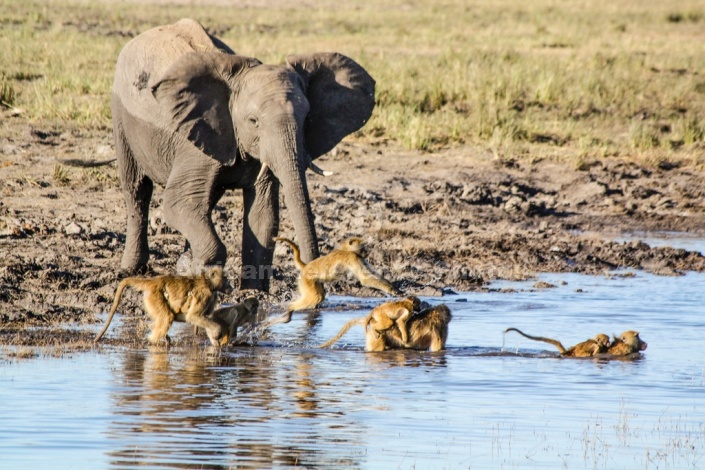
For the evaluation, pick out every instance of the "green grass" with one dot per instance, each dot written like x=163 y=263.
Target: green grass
x=576 y=80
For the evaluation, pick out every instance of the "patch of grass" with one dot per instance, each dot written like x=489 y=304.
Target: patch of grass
x=7 y=92
x=506 y=75
x=61 y=175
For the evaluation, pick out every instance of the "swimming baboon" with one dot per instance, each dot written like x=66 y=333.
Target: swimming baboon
x=171 y=297
x=428 y=329
x=349 y=257
x=384 y=317
x=234 y=316
x=598 y=344
x=627 y=343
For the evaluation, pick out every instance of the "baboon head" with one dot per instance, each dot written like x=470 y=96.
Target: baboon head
x=356 y=245
x=217 y=281
x=631 y=339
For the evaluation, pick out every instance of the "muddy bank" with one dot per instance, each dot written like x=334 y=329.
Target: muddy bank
x=437 y=223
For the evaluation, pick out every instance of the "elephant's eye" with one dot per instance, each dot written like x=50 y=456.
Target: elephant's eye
x=253 y=121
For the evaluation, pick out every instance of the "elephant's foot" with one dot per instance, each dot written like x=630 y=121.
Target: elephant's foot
x=187 y=266
x=143 y=270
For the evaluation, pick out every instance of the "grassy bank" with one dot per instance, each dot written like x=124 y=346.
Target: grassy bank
x=571 y=80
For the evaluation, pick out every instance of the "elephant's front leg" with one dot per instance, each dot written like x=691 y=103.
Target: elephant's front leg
x=260 y=226
x=188 y=200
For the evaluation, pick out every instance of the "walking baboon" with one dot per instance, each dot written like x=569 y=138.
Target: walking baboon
x=234 y=316
x=190 y=298
x=588 y=348
x=428 y=329
x=627 y=343
x=384 y=317
x=349 y=257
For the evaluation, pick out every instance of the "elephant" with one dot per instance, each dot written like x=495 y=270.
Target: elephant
x=192 y=116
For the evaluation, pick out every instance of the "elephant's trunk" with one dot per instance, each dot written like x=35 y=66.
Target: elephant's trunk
x=289 y=165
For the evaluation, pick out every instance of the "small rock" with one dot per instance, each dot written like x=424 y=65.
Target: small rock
x=73 y=229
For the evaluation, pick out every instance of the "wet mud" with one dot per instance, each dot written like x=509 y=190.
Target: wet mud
x=436 y=224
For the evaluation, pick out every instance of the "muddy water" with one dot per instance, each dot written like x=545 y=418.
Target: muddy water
x=489 y=401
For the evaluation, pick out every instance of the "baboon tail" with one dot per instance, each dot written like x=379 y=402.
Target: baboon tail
x=343 y=330
x=557 y=344
x=295 y=248
x=116 y=302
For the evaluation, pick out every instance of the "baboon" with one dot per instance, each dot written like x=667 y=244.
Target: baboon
x=428 y=330
x=627 y=343
x=384 y=317
x=234 y=316
x=588 y=348
x=171 y=297
x=349 y=257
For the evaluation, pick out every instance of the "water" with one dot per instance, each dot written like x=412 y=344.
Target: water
x=489 y=401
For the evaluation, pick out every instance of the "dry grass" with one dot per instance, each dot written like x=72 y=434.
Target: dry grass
x=569 y=80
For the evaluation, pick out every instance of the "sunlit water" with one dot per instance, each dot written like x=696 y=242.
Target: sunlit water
x=489 y=401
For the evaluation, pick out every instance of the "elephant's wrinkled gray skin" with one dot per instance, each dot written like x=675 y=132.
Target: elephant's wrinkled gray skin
x=194 y=117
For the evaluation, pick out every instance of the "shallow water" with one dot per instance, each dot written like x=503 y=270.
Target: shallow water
x=286 y=403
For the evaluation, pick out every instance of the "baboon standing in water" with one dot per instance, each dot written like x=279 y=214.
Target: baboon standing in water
x=170 y=297
x=349 y=257
x=597 y=345
x=428 y=330
x=382 y=318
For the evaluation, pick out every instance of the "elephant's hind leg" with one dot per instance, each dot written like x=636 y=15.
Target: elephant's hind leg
x=137 y=191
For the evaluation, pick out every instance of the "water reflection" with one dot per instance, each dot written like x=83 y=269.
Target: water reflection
x=213 y=410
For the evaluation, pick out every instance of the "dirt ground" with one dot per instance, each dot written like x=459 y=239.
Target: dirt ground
x=437 y=223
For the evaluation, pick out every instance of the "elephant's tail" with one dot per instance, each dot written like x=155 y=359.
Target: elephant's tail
x=295 y=248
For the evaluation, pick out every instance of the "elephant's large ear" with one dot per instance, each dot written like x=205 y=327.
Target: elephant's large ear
x=341 y=95
x=195 y=93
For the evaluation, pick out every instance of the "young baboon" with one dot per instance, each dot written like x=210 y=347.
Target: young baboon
x=349 y=257
x=384 y=317
x=428 y=330
x=627 y=343
x=168 y=297
x=588 y=348
x=234 y=316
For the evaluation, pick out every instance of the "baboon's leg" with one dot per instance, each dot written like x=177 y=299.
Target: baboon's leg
x=401 y=324
x=311 y=294
x=374 y=342
x=196 y=316
x=158 y=311
x=438 y=342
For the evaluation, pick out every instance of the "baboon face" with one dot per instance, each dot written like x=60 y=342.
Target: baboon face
x=602 y=340
x=415 y=302
x=356 y=245
x=632 y=339
x=217 y=280
x=252 y=304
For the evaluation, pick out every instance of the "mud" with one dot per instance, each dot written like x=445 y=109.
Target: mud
x=437 y=223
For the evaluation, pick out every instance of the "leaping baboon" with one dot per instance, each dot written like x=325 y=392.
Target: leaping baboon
x=349 y=257
x=170 y=297
x=588 y=348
